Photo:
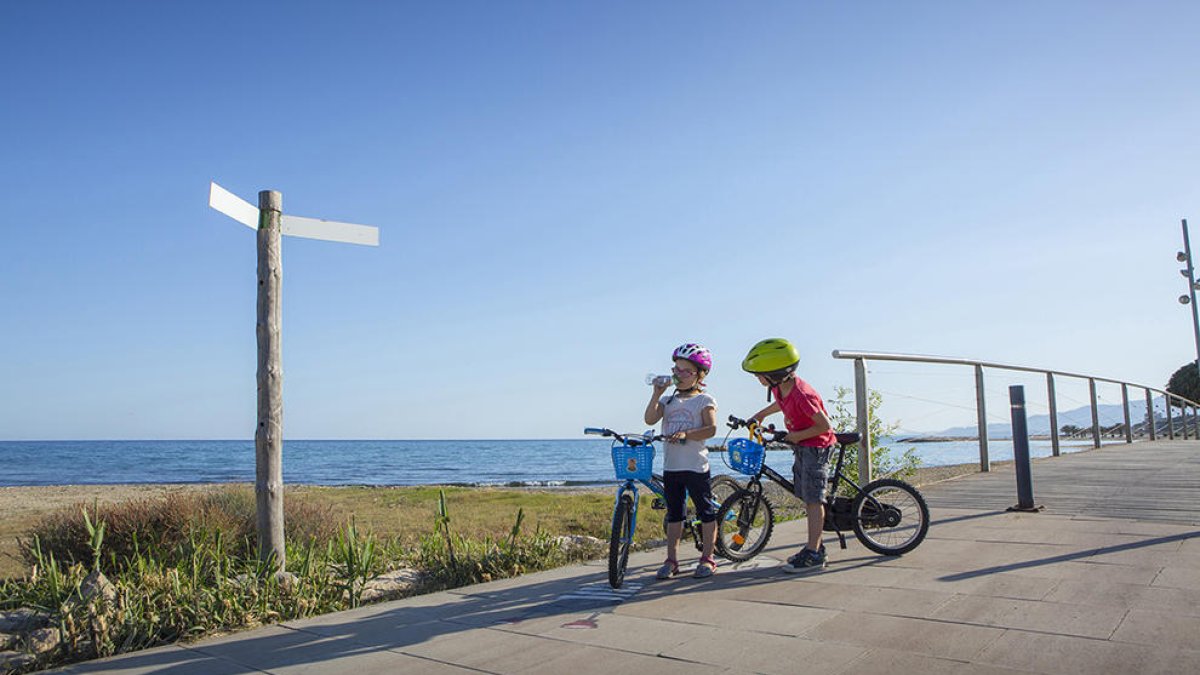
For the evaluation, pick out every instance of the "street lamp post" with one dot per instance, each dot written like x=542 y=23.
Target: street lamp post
x=1185 y=256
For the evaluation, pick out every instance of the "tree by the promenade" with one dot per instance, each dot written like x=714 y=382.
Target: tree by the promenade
x=1185 y=382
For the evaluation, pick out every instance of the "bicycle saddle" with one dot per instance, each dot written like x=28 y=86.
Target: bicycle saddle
x=848 y=439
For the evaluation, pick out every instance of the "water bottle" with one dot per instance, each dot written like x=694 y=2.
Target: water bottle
x=661 y=380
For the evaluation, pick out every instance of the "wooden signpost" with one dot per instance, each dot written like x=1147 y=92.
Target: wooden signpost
x=270 y=222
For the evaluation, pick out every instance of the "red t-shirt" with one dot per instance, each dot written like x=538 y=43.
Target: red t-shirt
x=798 y=409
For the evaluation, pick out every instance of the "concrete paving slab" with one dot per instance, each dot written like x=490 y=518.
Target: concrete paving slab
x=1180 y=601
x=1177 y=577
x=916 y=636
x=1064 y=619
x=505 y=652
x=786 y=620
x=1159 y=628
x=614 y=631
x=770 y=654
x=811 y=592
x=283 y=650
x=891 y=662
x=1067 y=655
x=176 y=659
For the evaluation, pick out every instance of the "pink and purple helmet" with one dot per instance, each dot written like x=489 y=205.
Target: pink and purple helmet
x=697 y=354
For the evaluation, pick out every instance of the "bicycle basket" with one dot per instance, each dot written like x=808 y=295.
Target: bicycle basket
x=744 y=456
x=633 y=462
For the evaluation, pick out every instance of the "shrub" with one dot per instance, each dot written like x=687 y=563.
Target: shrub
x=169 y=527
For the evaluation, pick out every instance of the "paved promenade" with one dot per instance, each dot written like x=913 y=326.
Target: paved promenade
x=1105 y=580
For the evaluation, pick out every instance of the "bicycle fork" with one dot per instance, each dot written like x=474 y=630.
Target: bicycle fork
x=630 y=487
x=746 y=516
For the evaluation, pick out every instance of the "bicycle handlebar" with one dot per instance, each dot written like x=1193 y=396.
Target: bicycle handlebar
x=631 y=439
x=776 y=436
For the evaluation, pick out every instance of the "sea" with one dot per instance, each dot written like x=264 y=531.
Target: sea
x=550 y=463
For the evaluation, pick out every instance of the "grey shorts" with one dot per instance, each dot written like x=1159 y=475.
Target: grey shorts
x=810 y=472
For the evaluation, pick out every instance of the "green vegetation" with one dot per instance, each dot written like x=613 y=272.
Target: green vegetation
x=885 y=461
x=1185 y=382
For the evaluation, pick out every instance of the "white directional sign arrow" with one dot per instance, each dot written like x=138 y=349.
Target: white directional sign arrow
x=233 y=206
x=309 y=228
x=269 y=223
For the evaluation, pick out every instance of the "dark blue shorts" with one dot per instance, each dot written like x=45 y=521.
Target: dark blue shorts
x=675 y=483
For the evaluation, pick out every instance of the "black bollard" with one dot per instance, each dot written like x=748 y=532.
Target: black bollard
x=1020 y=431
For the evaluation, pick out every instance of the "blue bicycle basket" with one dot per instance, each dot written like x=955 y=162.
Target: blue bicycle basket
x=633 y=462
x=744 y=456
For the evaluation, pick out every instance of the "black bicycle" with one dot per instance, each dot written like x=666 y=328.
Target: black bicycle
x=888 y=515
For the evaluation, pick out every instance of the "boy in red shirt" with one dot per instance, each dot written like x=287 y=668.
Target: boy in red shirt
x=810 y=434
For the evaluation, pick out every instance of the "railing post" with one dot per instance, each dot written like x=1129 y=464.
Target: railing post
x=1195 y=423
x=862 y=398
x=1150 y=421
x=1095 y=413
x=1125 y=407
x=1053 y=414
x=981 y=410
x=1170 y=419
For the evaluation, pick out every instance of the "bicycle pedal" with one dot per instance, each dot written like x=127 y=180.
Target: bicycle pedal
x=658 y=504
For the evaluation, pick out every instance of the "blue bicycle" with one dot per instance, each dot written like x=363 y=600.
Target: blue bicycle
x=633 y=463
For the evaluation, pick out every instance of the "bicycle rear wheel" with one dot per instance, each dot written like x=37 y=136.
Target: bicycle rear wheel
x=619 y=540
x=890 y=517
x=744 y=525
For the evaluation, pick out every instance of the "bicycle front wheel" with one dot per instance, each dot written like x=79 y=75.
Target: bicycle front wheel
x=722 y=487
x=890 y=517
x=744 y=525
x=619 y=540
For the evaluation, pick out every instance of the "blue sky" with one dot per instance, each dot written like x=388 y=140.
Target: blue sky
x=567 y=190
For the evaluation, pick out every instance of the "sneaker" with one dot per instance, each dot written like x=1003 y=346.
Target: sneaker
x=669 y=569
x=806 y=562
x=796 y=556
x=705 y=568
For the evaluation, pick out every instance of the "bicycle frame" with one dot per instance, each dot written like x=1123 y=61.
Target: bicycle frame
x=835 y=481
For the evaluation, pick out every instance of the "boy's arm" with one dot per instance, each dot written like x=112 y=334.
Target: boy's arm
x=766 y=412
x=820 y=425
x=654 y=409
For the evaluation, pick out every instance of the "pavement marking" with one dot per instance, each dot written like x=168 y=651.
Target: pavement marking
x=601 y=592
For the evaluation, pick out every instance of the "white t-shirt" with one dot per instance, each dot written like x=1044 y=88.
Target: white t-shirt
x=682 y=414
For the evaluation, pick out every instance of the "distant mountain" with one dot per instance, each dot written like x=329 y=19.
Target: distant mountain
x=1039 y=425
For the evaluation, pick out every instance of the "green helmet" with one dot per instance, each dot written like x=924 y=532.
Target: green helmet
x=770 y=356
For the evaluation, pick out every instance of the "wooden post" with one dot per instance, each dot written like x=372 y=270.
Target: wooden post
x=862 y=402
x=268 y=437
x=981 y=412
x=1053 y=415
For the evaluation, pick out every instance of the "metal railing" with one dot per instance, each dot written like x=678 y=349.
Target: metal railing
x=861 y=398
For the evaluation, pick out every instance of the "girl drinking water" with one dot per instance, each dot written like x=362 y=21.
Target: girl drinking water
x=689 y=417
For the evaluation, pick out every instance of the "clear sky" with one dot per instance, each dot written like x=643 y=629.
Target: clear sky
x=567 y=190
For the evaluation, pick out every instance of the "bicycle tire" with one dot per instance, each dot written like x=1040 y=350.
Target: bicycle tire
x=749 y=514
x=619 y=540
x=721 y=487
x=901 y=527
